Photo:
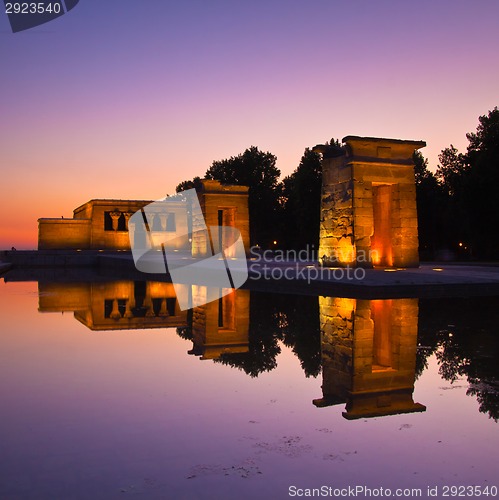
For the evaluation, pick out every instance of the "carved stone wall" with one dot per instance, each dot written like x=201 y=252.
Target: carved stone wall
x=222 y=205
x=104 y=224
x=369 y=214
x=221 y=326
x=369 y=355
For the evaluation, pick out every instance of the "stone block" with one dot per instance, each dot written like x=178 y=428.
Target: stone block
x=350 y=201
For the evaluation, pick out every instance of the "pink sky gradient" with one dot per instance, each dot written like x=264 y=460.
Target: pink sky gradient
x=128 y=99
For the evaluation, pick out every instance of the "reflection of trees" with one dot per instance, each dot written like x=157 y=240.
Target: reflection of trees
x=302 y=333
x=487 y=395
x=422 y=355
x=463 y=335
x=185 y=332
x=294 y=320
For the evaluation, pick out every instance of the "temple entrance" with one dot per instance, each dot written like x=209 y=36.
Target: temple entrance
x=226 y=218
x=382 y=338
x=227 y=311
x=381 y=245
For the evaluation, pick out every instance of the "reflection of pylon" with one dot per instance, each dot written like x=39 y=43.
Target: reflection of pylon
x=166 y=250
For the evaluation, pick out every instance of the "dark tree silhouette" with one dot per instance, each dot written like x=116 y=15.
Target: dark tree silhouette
x=463 y=338
x=482 y=201
x=470 y=180
x=432 y=205
x=452 y=170
x=291 y=319
x=257 y=170
x=302 y=203
x=194 y=184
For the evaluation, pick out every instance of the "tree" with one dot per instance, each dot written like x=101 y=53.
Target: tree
x=486 y=139
x=453 y=176
x=302 y=202
x=481 y=185
x=257 y=170
x=293 y=320
x=470 y=180
x=185 y=185
x=431 y=203
x=452 y=170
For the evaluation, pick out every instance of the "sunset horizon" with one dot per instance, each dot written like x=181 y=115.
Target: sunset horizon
x=129 y=102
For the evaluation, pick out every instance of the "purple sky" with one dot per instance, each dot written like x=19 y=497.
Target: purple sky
x=122 y=99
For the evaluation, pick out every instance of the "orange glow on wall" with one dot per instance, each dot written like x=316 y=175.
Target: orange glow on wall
x=381 y=242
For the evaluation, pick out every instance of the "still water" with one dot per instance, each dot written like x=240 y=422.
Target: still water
x=109 y=390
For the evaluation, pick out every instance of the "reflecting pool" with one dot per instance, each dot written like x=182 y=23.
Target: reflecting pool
x=109 y=390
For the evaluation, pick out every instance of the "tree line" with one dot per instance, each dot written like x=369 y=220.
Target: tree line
x=458 y=205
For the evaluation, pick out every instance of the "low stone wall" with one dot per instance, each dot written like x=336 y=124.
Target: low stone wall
x=64 y=233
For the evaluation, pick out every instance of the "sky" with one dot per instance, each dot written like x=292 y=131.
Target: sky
x=125 y=99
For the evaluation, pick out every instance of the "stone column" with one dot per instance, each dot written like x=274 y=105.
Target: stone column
x=150 y=220
x=115 y=217
x=115 y=313
x=128 y=312
x=163 y=312
x=127 y=216
x=148 y=302
x=163 y=220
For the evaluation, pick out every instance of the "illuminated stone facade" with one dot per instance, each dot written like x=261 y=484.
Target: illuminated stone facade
x=219 y=327
x=225 y=206
x=369 y=355
x=97 y=224
x=369 y=214
x=115 y=305
x=104 y=224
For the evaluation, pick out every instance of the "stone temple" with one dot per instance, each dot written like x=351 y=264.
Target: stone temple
x=369 y=214
x=368 y=210
x=105 y=224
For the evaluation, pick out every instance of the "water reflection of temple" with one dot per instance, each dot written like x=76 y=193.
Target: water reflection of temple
x=222 y=326
x=115 y=305
x=369 y=355
x=368 y=347
x=218 y=327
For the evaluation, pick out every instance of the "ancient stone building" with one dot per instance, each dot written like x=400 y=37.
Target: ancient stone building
x=369 y=215
x=222 y=206
x=369 y=355
x=115 y=305
x=104 y=224
x=221 y=326
x=97 y=224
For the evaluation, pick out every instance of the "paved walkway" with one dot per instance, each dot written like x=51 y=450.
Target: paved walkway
x=429 y=280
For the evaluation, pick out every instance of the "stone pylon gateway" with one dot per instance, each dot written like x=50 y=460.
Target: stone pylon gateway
x=368 y=213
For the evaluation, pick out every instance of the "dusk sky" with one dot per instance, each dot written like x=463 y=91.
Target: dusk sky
x=122 y=99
